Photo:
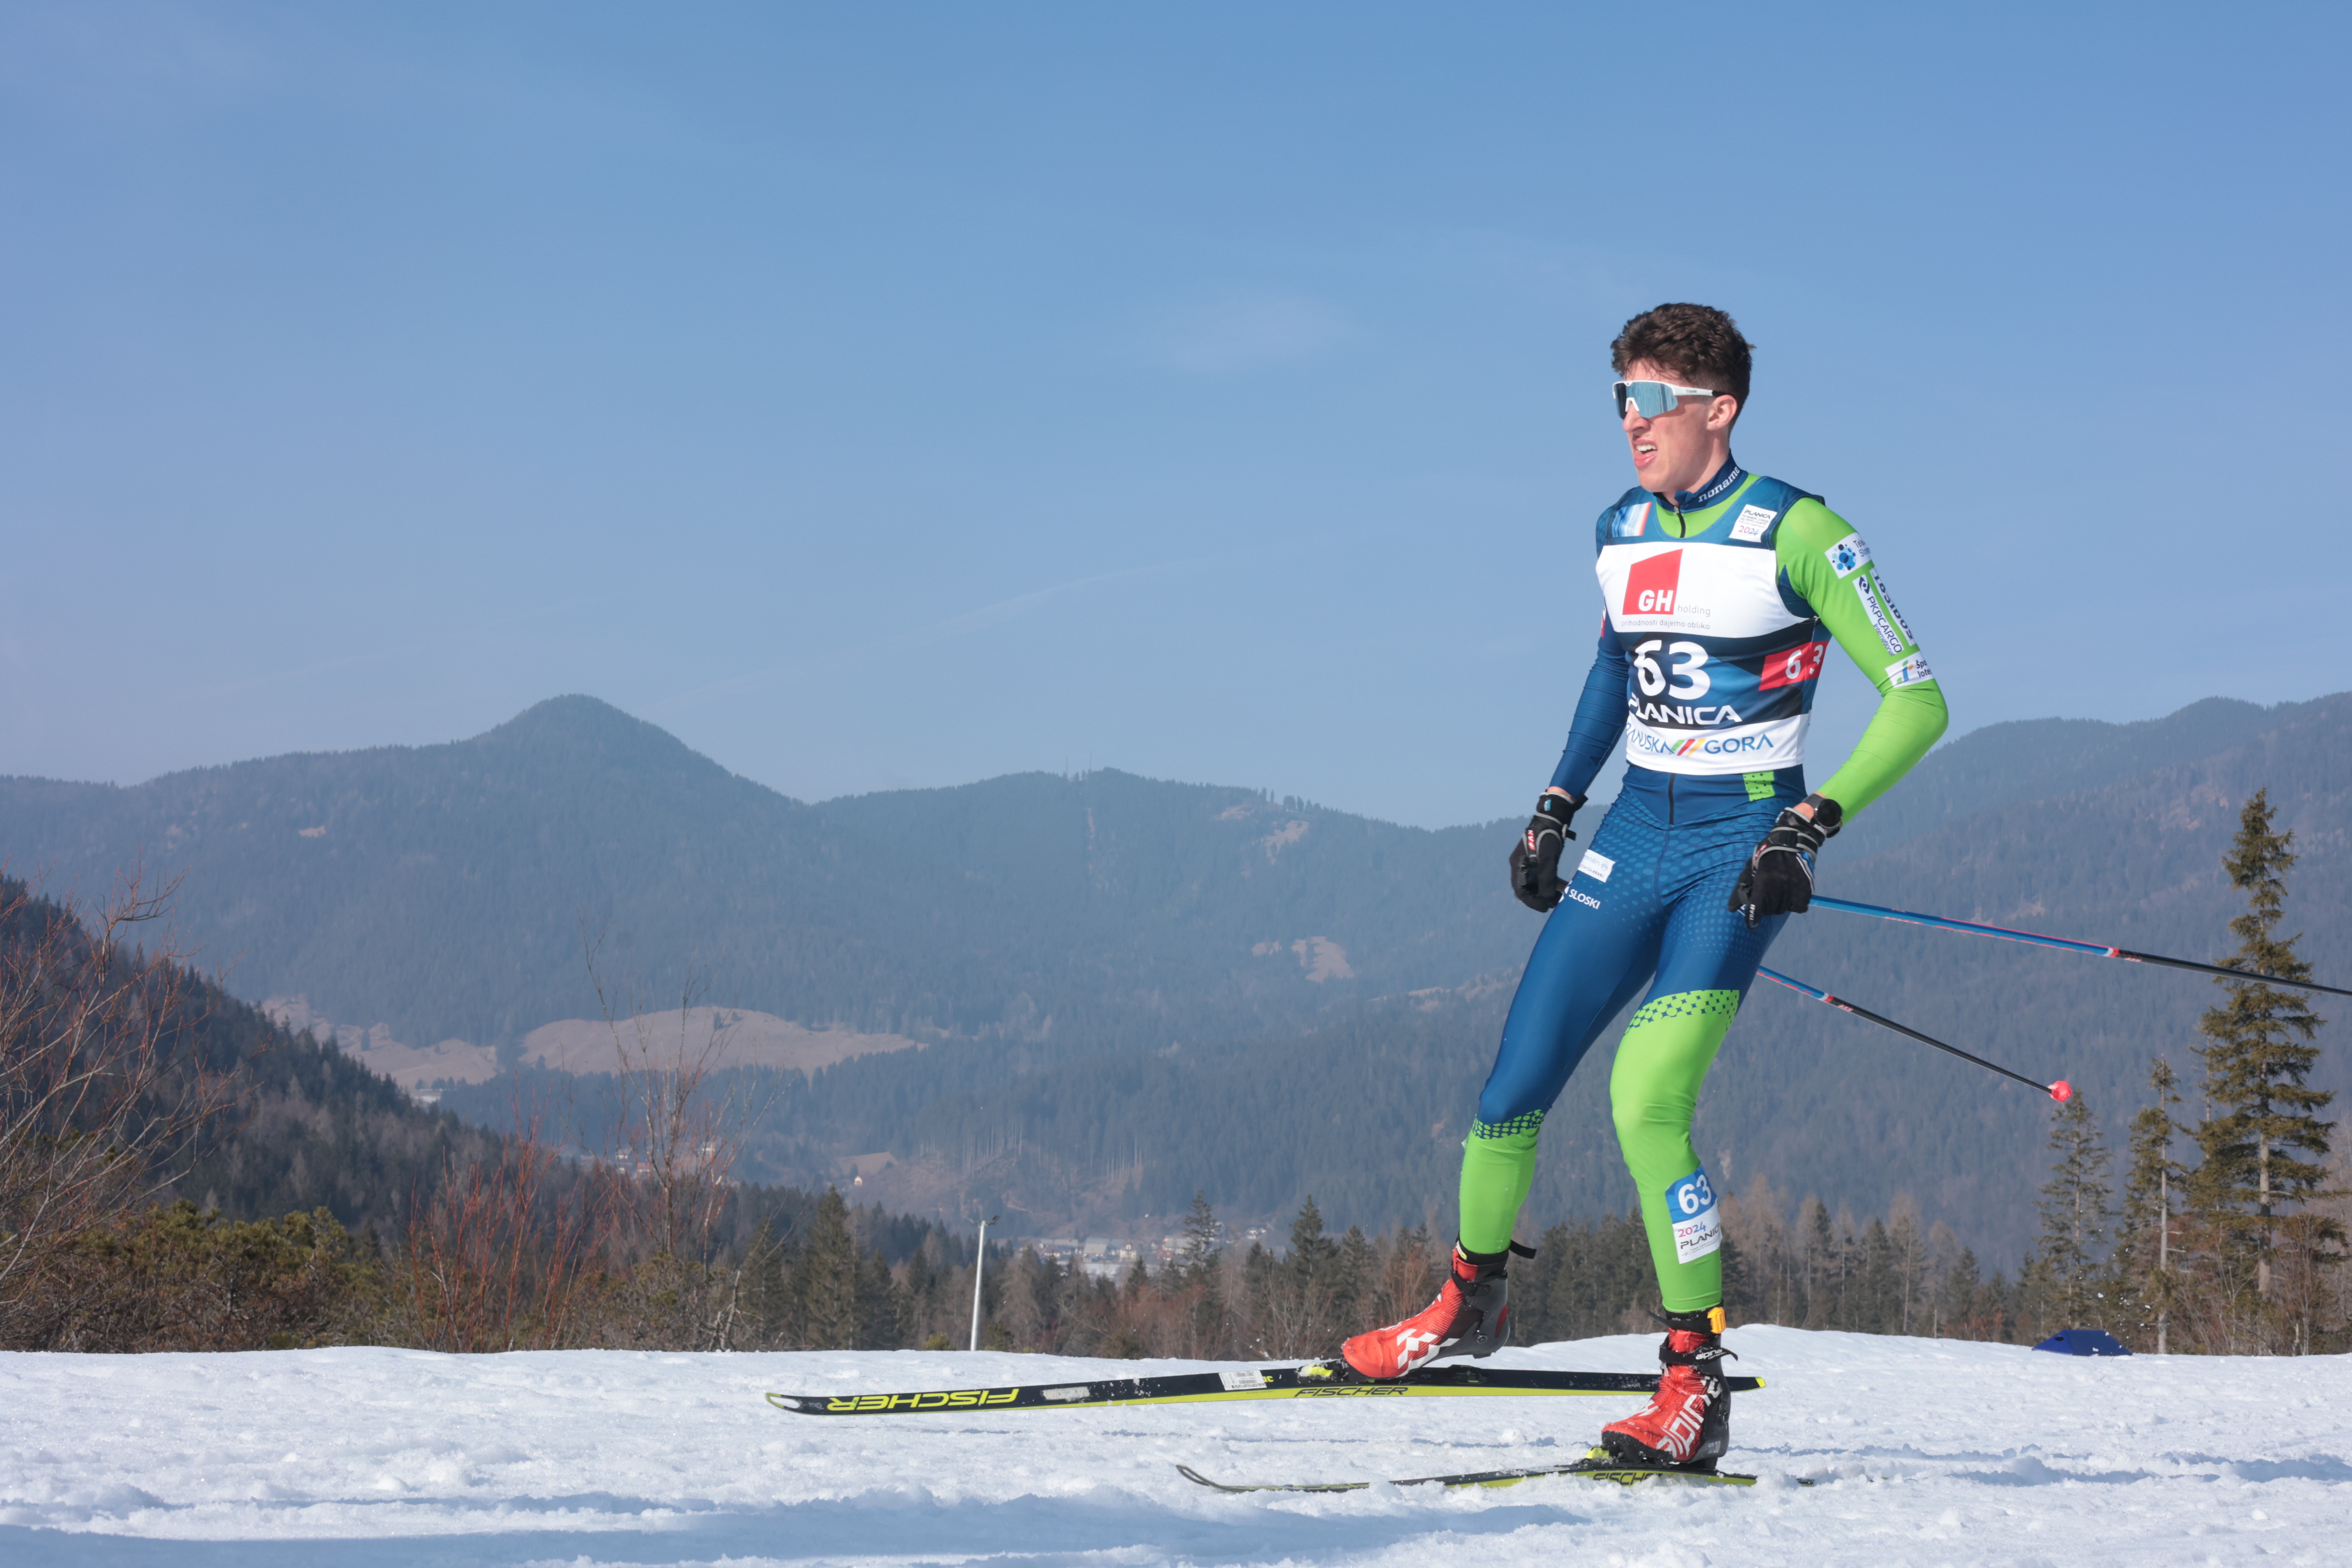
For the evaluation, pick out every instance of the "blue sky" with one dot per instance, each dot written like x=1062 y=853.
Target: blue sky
x=905 y=395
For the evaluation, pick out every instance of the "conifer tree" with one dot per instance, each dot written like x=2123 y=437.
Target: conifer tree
x=2076 y=1207
x=1205 y=1317
x=1314 y=1256
x=827 y=1274
x=1820 y=1260
x=878 y=1301
x=2262 y=1152
x=2144 y=1278
x=1955 y=1297
x=1913 y=1260
x=1200 y=1253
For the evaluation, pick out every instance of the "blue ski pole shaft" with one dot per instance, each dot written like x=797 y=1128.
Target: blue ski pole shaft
x=2097 y=950
x=2060 y=1090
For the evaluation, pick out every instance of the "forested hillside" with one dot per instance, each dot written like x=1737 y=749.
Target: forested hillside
x=1366 y=1112
x=443 y=891
x=1123 y=985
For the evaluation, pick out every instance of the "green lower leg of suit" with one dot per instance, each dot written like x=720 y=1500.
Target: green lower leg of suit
x=1652 y=1092
x=1498 y=1163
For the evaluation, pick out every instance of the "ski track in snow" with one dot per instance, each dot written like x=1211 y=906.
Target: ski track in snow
x=1928 y=1452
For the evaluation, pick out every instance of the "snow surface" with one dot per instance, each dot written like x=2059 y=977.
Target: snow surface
x=1928 y=1452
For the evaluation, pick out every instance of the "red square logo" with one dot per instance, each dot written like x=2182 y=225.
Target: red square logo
x=1651 y=586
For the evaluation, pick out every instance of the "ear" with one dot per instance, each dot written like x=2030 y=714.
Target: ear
x=1721 y=410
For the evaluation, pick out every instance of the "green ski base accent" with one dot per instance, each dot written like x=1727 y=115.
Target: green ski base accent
x=1313 y=1380
x=1589 y=1469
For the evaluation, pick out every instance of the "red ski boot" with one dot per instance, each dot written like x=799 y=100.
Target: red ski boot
x=1468 y=1318
x=1688 y=1423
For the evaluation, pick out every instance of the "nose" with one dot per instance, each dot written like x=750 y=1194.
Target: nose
x=1631 y=417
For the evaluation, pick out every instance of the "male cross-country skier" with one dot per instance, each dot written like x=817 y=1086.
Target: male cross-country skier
x=1719 y=590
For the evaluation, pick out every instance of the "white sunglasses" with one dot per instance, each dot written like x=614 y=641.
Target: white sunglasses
x=1651 y=398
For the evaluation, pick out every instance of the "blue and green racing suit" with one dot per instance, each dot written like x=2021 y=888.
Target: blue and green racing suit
x=1719 y=615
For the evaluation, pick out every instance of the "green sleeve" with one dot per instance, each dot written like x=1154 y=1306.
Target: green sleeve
x=1826 y=562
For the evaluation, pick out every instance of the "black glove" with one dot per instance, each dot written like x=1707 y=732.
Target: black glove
x=1779 y=877
x=1535 y=858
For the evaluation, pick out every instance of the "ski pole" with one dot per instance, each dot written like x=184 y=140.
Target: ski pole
x=2060 y=1091
x=2095 y=949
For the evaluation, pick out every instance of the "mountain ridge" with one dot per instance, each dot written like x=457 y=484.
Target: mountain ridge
x=1118 y=976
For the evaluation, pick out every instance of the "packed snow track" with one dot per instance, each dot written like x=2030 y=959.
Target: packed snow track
x=1928 y=1452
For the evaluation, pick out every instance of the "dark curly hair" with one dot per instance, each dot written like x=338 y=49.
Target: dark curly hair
x=1699 y=344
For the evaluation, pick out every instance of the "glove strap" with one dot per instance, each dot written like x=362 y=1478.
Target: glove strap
x=1558 y=809
x=1828 y=815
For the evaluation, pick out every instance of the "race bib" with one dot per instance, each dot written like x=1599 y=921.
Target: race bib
x=1699 y=1223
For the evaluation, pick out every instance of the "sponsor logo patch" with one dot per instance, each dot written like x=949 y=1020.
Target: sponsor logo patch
x=1239 y=1381
x=1909 y=671
x=1848 y=555
x=1753 y=521
x=1697 y=746
x=1633 y=521
x=1699 y=1223
x=1596 y=866
x=1652 y=586
x=1879 y=622
x=1793 y=668
x=1585 y=899
x=1682 y=716
x=1896 y=615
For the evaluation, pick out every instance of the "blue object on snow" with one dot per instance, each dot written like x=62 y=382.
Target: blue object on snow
x=2083 y=1342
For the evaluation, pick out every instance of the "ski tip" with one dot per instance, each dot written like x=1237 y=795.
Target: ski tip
x=784 y=1402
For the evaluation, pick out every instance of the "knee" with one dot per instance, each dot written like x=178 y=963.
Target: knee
x=1508 y=1098
x=1640 y=1109
x=1631 y=1112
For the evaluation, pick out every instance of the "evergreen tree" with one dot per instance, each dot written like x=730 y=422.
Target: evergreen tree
x=915 y=1296
x=2142 y=1270
x=1914 y=1263
x=764 y=1303
x=1352 y=1267
x=1311 y=1251
x=1820 y=1265
x=1205 y=1324
x=826 y=1273
x=2257 y=1059
x=1876 y=1296
x=1200 y=1254
x=1955 y=1297
x=2074 y=1209
x=878 y=1305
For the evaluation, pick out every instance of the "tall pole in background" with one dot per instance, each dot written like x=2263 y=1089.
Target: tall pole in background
x=979 y=1264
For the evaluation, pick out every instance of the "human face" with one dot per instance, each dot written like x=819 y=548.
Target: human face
x=1681 y=449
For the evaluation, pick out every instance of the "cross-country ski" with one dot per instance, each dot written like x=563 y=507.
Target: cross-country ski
x=1596 y=1466
x=1314 y=1379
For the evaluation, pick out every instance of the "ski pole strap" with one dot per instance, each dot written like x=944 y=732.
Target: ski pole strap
x=2067 y=944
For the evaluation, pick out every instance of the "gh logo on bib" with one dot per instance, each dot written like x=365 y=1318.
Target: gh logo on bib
x=1651 y=586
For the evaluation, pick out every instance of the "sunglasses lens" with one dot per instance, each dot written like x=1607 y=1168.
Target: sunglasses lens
x=1649 y=398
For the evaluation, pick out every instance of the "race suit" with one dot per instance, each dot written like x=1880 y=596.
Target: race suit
x=1716 y=623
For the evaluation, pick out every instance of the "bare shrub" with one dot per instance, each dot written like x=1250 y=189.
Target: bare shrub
x=102 y=1091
